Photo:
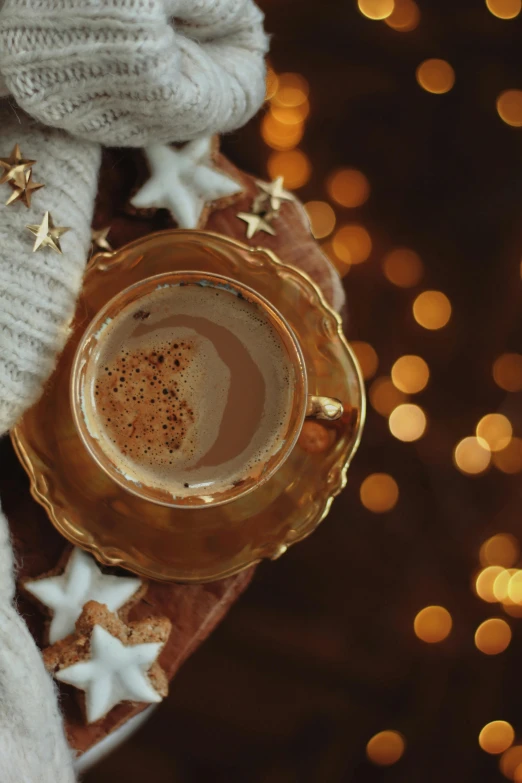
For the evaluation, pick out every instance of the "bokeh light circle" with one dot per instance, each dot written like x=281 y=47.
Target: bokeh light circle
x=496 y=737
x=432 y=310
x=348 y=187
x=366 y=356
x=471 y=457
x=322 y=218
x=294 y=166
x=384 y=395
x=509 y=460
x=502 y=549
x=504 y=9
x=385 y=748
x=352 y=244
x=410 y=374
x=507 y=372
x=511 y=759
x=485 y=581
x=435 y=76
x=376 y=9
x=379 y=493
x=433 y=624
x=509 y=107
x=407 y=422
x=493 y=637
x=494 y=431
x=404 y=17
x=403 y=267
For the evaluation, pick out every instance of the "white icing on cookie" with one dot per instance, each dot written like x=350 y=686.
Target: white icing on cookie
x=183 y=181
x=114 y=673
x=65 y=595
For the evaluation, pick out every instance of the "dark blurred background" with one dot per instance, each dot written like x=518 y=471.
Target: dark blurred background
x=421 y=166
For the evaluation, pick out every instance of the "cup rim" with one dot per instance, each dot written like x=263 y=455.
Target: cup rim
x=133 y=293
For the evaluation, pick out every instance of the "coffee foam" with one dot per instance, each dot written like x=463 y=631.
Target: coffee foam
x=191 y=391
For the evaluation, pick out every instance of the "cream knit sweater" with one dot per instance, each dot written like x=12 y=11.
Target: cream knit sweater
x=79 y=73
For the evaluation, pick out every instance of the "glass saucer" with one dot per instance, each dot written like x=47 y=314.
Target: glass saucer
x=194 y=545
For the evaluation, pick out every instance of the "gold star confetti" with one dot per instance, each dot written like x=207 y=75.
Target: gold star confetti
x=47 y=234
x=255 y=223
x=14 y=164
x=99 y=238
x=23 y=187
x=276 y=192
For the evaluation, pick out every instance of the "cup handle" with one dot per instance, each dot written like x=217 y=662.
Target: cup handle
x=328 y=408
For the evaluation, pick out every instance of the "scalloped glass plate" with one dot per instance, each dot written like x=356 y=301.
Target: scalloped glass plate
x=194 y=545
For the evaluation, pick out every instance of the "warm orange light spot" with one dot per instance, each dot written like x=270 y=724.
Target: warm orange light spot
x=384 y=396
x=272 y=83
x=348 y=187
x=510 y=760
x=509 y=107
x=290 y=115
x=433 y=624
x=432 y=309
x=471 y=456
x=385 y=748
x=509 y=460
x=293 y=166
x=436 y=76
x=507 y=372
x=501 y=584
x=410 y=374
x=342 y=267
x=517 y=774
x=352 y=244
x=280 y=136
x=496 y=737
x=367 y=358
x=292 y=90
x=495 y=430
x=404 y=17
x=493 y=637
x=501 y=549
x=403 y=267
x=322 y=218
x=485 y=582
x=379 y=493
x=407 y=422
x=504 y=9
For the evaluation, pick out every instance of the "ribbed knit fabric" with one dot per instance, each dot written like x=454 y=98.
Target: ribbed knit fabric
x=134 y=72
x=38 y=290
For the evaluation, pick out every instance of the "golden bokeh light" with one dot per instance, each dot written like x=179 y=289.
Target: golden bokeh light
x=379 y=493
x=272 y=83
x=485 y=582
x=376 y=9
x=504 y=9
x=501 y=584
x=279 y=135
x=342 y=267
x=517 y=774
x=501 y=549
x=407 y=422
x=367 y=358
x=322 y=218
x=509 y=107
x=494 y=431
x=352 y=244
x=384 y=396
x=404 y=17
x=471 y=456
x=433 y=624
x=435 y=76
x=496 y=737
x=348 y=187
x=510 y=761
x=410 y=374
x=514 y=590
x=513 y=610
x=290 y=115
x=507 y=372
x=493 y=637
x=292 y=90
x=403 y=267
x=385 y=748
x=509 y=460
x=432 y=309
x=293 y=166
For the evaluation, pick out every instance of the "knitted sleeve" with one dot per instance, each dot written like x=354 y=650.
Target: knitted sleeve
x=38 y=290
x=132 y=72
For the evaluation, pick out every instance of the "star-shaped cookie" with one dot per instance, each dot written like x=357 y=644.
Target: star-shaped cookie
x=111 y=662
x=64 y=595
x=183 y=181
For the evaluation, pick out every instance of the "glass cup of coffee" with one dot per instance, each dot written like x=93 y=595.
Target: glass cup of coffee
x=190 y=389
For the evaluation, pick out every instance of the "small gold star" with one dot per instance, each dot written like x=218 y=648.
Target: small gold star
x=23 y=187
x=47 y=234
x=276 y=192
x=14 y=165
x=255 y=223
x=99 y=238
